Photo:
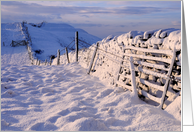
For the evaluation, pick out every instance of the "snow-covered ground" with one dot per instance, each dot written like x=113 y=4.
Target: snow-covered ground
x=64 y=98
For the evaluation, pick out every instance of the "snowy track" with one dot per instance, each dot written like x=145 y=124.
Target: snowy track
x=15 y=55
x=64 y=98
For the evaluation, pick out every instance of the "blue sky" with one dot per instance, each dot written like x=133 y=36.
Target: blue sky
x=100 y=18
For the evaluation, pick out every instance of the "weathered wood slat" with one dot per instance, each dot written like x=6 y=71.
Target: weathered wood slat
x=161 y=88
x=93 y=57
x=167 y=52
x=151 y=72
x=125 y=76
x=120 y=68
x=167 y=81
x=133 y=81
x=125 y=66
x=144 y=93
x=161 y=67
x=149 y=57
x=124 y=85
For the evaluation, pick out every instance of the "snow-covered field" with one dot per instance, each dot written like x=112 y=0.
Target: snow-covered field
x=65 y=98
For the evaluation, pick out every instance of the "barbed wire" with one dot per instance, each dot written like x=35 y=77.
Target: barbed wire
x=84 y=42
x=70 y=43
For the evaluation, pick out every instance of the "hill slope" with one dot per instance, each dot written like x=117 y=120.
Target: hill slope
x=52 y=36
x=48 y=38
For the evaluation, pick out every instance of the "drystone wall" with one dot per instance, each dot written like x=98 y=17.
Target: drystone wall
x=110 y=50
x=28 y=42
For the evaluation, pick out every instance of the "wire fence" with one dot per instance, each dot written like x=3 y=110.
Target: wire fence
x=85 y=44
x=80 y=44
x=172 y=78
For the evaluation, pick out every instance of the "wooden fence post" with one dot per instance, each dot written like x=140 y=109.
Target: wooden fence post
x=93 y=57
x=32 y=61
x=58 y=57
x=45 y=61
x=67 y=55
x=37 y=61
x=12 y=43
x=76 y=45
x=50 y=60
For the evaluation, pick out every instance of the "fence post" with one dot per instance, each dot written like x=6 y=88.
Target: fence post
x=58 y=57
x=37 y=61
x=50 y=60
x=76 y=45
x=45 y=61
x=93 y=57
x=67 y=55
x=12 y=43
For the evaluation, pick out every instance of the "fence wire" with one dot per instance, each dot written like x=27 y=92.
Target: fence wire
x=172 y=78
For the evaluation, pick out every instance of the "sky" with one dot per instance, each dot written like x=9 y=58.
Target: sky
x=99 y=18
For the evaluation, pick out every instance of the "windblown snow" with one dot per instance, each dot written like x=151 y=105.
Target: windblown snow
x=63 y=97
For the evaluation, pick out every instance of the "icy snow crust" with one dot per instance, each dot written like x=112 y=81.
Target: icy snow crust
x=65 y=98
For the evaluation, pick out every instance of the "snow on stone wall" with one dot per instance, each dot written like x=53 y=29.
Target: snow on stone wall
x=106 y=65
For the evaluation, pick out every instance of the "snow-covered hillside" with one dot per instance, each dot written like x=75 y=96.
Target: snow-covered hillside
x=47 y=39
x=64 y=98
x=51 y=36
x=13 y=55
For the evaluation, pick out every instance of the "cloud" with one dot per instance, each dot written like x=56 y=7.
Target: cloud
x=100 y=18
x=122 y=25
x=176 y=23
x=89 y=25
x=33 y=8
x=87 y=16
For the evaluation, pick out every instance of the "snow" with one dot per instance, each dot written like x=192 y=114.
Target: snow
x=52 y=36
x=15 y=55
x=175 y=38
x=63 y=97
x=175 y=108
x=11 y=31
